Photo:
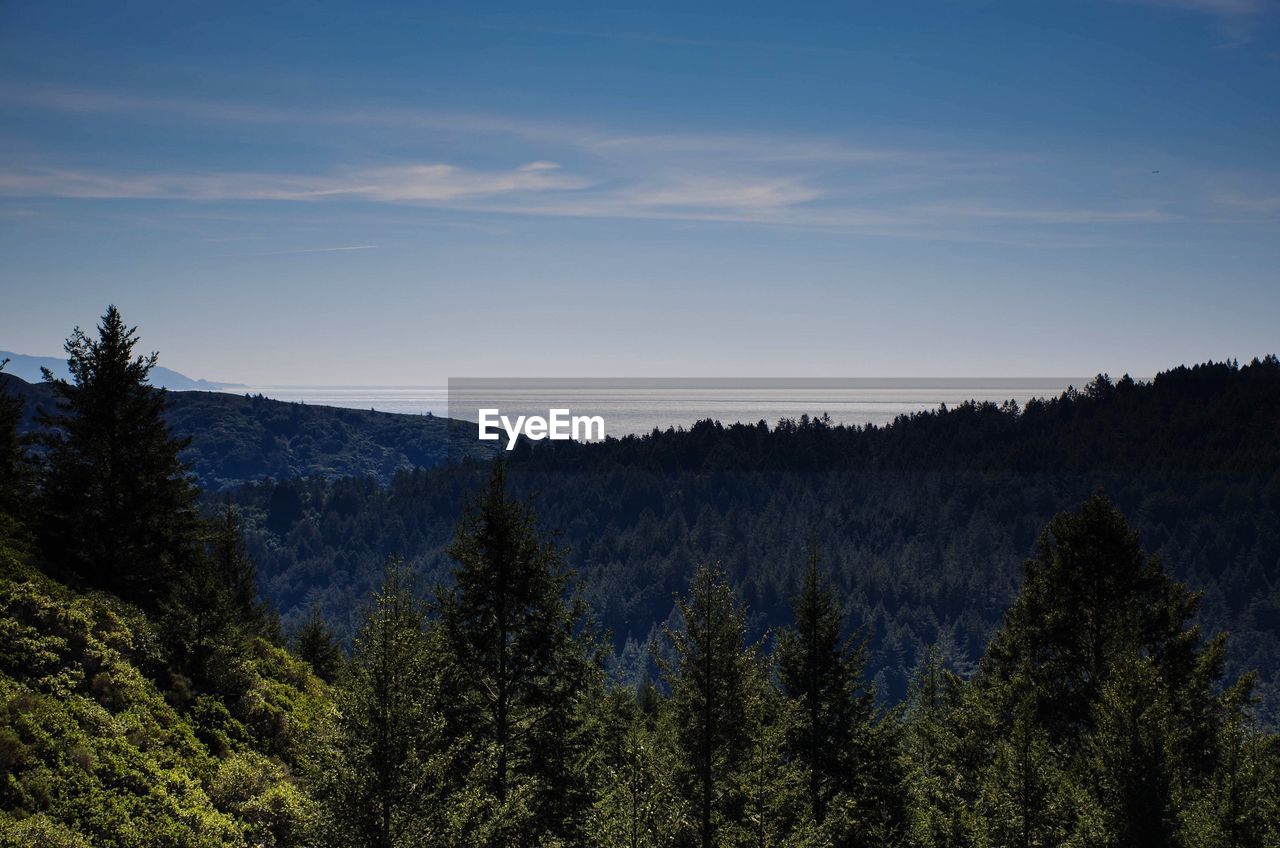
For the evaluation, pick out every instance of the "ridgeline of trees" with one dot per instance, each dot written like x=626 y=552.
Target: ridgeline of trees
x=152 y=703
x=922 y=523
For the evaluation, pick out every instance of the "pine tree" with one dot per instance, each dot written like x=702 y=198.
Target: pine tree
x=118 y=507
x=521 y=660
x=1098 y=665
x=237 y=575
x=834 y=739
x=637 y=805
x=1240 y=805
x=199 y=623
x=932 y=752
x=1090 y=598
x=769 y=782
x=14 y=464
x=1026 y=799
x=212 y=605
x=710 y=678
x=382 y=781
x=315 y=643
x=1127 y=758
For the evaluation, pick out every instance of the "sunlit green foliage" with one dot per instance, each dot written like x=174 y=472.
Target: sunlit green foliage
x=98 y=751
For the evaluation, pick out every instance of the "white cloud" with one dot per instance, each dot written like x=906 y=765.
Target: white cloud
x=439 y=183
x=697 y=192
x=832 y=183
x=1261 y=204
x=407 y=183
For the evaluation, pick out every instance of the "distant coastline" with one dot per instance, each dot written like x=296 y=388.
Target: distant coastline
x=27 y=367
x=638 y=406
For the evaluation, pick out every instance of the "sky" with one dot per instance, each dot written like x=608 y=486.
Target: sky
x=323 y=193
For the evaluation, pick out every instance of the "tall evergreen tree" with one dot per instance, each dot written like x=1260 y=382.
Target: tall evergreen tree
x=199 y=623
x=520 y=660
x=1127 y=758
x=1240 y=805
x=1117 y=683
x=710 y=678
x=932 y=752
x=14 y=465
x=769 y=781
x=637 y=805
x=1026 y=798
x=834 y=737
x=315 y=642
x=381 y=783
x=212 y=604
x=118 y=506
x=237 y=575
x=1090 y=598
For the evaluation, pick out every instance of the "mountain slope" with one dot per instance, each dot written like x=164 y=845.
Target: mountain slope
x=100 y=745
x=237 y=438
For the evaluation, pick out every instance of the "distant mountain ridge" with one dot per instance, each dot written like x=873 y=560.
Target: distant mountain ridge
x=238 y=438
x=27 y=368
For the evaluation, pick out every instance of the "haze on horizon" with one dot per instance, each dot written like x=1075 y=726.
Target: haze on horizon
x=322 y=194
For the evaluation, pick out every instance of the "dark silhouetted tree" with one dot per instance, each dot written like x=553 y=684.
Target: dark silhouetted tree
x=15 y=468
x=1098 y=671
x=834 y=737
x=711 y=680
x=1090 y=597
x=520 y=662
x=235 y=570
x=316 y=643
x=118 y=506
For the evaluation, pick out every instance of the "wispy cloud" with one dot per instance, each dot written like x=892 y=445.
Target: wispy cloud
x=694 y=191
x=341 y=249
x=426 y=183
x=763 y=180
x=542 y=189
x=89 y=102
x=1261 y=204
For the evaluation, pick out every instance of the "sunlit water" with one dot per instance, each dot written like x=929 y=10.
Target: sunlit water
x=638 y=406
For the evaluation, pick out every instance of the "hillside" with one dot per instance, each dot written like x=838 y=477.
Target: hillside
x=925 y=523
x=238 y=438
x=102 y=745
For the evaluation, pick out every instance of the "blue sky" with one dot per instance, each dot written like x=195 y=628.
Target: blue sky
x=342 y=193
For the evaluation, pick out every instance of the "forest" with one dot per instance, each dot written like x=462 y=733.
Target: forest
x=923 y=524
x=152 y=695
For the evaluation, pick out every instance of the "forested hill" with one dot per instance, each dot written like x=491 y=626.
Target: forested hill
x=1210 y=417
x=239 y=438
x=925 y=523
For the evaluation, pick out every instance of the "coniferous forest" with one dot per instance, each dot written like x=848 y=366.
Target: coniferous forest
x=946 y=632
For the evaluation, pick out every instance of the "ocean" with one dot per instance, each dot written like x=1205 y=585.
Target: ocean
x=639 y=405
